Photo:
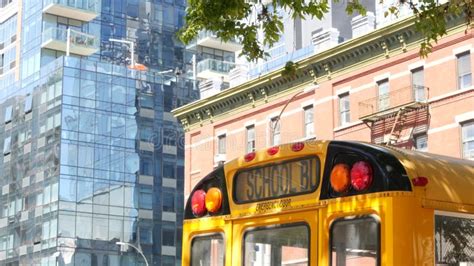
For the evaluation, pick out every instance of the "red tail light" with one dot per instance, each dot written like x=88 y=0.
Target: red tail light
x=361 y=175
x=420 y=181
x=297 y=146
x=273 y=150
x=249 y=156
x=198 y=203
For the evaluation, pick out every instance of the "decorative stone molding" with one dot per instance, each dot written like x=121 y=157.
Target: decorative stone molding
x=372 y=47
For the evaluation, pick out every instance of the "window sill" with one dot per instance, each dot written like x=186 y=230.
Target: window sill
x=348 y=125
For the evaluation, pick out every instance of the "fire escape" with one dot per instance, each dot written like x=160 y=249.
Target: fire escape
x=395 y=117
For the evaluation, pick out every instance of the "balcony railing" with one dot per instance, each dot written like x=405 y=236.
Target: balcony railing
x=209 y=39
x=209 y=68
x=85 y=10
x=80 y=43
x=386 y=103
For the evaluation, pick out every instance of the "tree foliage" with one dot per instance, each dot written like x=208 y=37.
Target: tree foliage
x=230 y=19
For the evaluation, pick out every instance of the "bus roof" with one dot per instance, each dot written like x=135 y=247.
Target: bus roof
x=450 y=180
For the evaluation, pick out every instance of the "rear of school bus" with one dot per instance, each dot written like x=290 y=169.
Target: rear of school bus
x=327 y=203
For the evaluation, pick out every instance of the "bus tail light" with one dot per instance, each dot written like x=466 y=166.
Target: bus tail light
x=273 y=150
x=361 y=175
x=298 y=146
x=340 y=178
x=420 y=181
x=249 y=156
x=213 y=200
x=198 y=204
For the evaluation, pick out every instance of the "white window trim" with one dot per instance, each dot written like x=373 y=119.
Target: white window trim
x=307 y=104
x=342 y=91
x=381 y=77
x=461 y=118
x=416 y=65
x=462 y=49
x=252 y=122
x=221 y=132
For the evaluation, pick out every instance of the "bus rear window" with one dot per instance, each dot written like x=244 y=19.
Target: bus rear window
x=355 y=241
x=207 y=251
x=285 y=245
x=276 y=180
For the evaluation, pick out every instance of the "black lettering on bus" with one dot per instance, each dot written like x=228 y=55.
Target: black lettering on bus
x=250 y=186
x=276 y=180
x=267 y=186
x=289 y=180
x=313 y=177
x=258 y=188
x=276 y=173
x=304 y=174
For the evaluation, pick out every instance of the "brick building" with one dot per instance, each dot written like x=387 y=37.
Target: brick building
x=373 y=88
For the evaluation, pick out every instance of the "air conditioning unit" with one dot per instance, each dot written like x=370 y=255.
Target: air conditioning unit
x=219 y=158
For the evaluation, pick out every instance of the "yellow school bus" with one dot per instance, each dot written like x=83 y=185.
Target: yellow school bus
x=332 y=203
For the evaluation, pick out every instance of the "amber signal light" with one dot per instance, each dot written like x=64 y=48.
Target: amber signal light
x=340 y=178
x=213 y=200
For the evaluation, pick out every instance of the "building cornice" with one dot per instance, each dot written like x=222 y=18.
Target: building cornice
x=392 y=40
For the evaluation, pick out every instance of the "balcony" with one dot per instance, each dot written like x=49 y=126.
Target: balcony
x=84 y=10
x=80 y=43
x=384 y=105
x=211 y=68
x=209 y=39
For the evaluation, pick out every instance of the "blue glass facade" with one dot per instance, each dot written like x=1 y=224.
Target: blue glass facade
x=91 y=153
x=92 y=156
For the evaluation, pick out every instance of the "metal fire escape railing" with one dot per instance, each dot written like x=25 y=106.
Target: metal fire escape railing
x=394 y=105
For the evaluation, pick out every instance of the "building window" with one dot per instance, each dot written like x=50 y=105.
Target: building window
x=168 y=202
x=221 y=142
x=344 y=109
x=468 y=140
x=464 y=70
x=384 y=96
x=146 y=236
x=168 y=237
x=7 y=145
x=251 y=138
x=308 y=121
x=8 y=113
x=421 y=142
x=274 y=131
x=418 y=83
x=28 y=104
x=146 y=197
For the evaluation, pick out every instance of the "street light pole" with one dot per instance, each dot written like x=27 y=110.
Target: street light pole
x=132 y=49
x=137 y=249
x=277 y=120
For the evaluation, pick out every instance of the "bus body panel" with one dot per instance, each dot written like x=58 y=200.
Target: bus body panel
x=406 y=218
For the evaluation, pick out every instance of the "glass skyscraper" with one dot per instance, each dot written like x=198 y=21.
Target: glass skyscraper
x=91 y=153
